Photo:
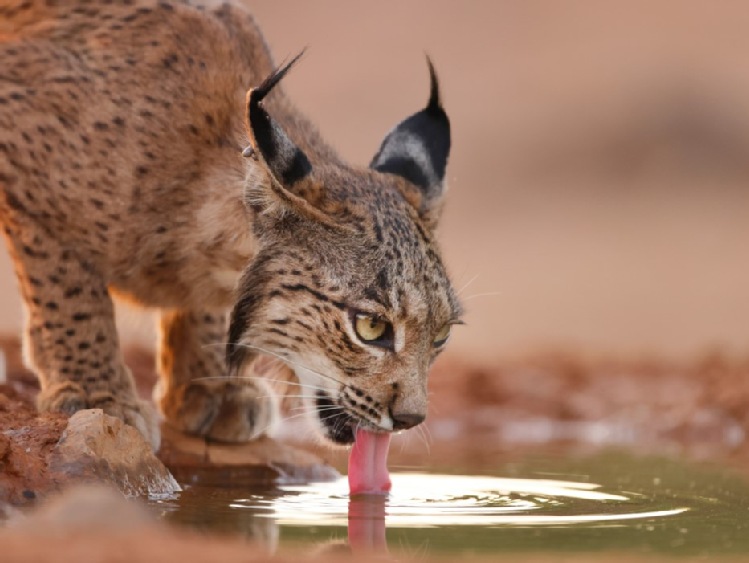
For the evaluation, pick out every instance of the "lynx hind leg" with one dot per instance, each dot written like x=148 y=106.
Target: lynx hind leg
x=70 y=339
x=195 y=395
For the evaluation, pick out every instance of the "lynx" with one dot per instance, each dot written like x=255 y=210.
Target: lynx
x=148 y=152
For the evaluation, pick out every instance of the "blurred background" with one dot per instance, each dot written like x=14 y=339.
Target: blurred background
x=599 y=176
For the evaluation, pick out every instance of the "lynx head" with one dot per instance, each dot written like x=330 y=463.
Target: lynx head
x=348 y=286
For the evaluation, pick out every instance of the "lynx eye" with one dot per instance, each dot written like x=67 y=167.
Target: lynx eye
x=373 y=330
x=442 y=336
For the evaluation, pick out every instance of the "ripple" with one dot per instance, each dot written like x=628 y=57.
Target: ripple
x=427 y=500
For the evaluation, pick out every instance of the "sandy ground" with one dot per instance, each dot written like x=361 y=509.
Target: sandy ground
x=598 y=176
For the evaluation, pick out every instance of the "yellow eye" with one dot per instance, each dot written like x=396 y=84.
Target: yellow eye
x=442 y=336
x=371 y=329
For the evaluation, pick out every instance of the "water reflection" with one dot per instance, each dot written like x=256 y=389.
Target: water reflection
x=643 y=505
x=366 y=523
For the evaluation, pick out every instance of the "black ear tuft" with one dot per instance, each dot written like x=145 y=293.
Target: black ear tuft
x=284 y=159
x=418 y=147
x=434 y=105
x=275 y=77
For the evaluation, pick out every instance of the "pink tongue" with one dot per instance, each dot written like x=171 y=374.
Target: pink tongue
x=367 y=464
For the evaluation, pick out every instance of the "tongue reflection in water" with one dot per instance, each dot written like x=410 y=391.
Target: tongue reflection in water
x=367 y=464
x=368 y=475
x=366 y=523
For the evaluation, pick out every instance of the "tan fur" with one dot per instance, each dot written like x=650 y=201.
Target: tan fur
x=121 y=130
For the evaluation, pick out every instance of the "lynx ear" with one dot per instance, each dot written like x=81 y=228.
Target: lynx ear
x=283 y=159
x=418 y=147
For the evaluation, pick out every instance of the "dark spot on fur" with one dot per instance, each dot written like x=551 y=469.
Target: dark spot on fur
x=72 y=292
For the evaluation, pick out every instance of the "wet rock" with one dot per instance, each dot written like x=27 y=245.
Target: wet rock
x=99 y=448
x=41 y=454
x=264 y=461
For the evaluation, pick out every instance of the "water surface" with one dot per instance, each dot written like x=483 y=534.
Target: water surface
x=605 y=502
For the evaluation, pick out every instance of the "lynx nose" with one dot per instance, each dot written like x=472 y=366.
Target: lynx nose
x=403 y=421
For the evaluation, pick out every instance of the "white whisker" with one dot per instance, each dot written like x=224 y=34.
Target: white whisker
x=465 y=285
x=282 y=358
x=423 y=430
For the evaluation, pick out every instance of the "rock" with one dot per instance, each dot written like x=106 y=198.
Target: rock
x=99 y=448
x=41 y=454
x=262 y=462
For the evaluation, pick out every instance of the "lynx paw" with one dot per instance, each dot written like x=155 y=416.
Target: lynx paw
x=69 y=397
x=226 y=410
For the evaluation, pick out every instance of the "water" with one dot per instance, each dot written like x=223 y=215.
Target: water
x=606 y=502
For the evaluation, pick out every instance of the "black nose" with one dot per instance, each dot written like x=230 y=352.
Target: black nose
x=402 y=421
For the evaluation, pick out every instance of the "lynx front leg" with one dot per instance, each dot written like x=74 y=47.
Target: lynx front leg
x=195 y=394
x=70 y=339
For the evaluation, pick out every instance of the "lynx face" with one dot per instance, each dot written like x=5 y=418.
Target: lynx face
x=348 y=286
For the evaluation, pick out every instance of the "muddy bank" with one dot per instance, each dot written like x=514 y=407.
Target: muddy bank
x=564 y=398
x=700 y=407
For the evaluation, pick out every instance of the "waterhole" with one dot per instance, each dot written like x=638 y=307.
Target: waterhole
x=606 y=502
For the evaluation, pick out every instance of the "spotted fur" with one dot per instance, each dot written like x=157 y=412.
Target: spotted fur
x=123 y=125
